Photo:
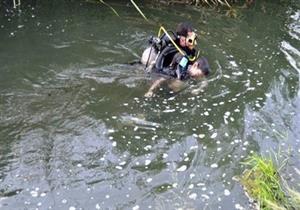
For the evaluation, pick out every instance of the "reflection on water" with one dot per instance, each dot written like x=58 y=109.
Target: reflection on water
x=77 y=133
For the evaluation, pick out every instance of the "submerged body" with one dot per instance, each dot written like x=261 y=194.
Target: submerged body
x=175 y=80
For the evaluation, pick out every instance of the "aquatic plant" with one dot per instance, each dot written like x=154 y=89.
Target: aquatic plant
x=263 y=183
x=112 y=9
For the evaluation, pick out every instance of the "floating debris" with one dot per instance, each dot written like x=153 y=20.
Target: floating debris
x=214 y=165
x=137 y=207
x=226 y=192
x=214 y=135
x=182 y=168
x=147 y=162
x=193 y=196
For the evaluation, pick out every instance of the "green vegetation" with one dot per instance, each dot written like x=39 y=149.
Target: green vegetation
x=263 y=183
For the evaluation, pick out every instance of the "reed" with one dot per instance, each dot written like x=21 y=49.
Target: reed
x=263 y=183
x=111 y=8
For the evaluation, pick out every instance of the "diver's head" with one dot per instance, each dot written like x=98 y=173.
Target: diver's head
x=199 y=69
x=186 y=35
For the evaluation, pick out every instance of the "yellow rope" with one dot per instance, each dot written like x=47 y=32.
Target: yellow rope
x=140 y=11
x=170 y=38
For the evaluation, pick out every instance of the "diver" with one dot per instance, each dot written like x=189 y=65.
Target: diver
x=174 y=57
x=163 y=48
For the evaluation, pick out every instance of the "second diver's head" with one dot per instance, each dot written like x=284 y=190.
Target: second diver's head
x=199 y=69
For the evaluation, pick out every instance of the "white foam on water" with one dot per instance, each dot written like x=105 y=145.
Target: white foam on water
x=226 y=192
x=214 y=165
x=193 y=196
x=182 y=168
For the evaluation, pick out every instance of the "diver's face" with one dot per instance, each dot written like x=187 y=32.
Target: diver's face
x=195 y=72
x=190 y=40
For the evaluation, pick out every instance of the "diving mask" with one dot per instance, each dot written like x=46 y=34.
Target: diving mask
x=192 y=39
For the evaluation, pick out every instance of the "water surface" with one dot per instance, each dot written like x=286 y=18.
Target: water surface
x=77 y=133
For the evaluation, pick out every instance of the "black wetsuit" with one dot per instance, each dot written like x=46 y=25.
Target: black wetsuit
x=169 y=58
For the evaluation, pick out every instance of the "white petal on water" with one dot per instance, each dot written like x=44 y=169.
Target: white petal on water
x=214 y=165
x=175 y=185
x=169 y=110
x=147 y=162
x=238 y=206
x=192 y=175
x=239 y=73
x=122 y=163
x=201 y=136
x=137 y=207
x=34 y=194
x=227 y=114
x=226 y=76
x=72 y=208
x=205 y=196
x=119 y=167
x=148 y=147
x=64 y=201
x=182 y=168
x=268 y=95
x=194 y=147
x=233 y=63
x=165 y=155
x=226 y=192
x=214 y=135
x=114 y=144
x=210 y=127
x=149 y=180
x=236 y=141
x=98 y=206
x=193 y=196
x=246 y=143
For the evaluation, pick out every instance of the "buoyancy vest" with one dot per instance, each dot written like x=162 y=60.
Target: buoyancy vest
x=165 y=57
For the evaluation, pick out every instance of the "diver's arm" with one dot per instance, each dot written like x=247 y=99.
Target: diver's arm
x=154 y=86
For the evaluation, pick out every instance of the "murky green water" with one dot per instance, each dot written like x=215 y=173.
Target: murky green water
x=77 y=133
